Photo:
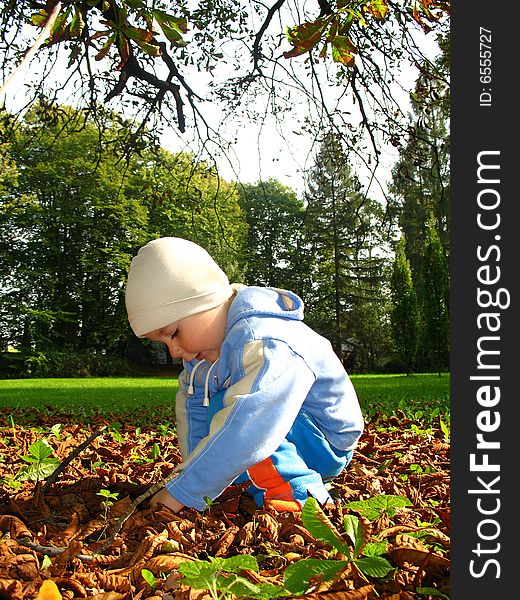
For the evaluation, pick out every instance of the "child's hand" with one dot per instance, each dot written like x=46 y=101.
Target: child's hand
x=164 y=497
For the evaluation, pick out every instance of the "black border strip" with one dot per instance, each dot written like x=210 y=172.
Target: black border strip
x=484 y=313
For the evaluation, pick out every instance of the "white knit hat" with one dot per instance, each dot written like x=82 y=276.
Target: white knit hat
x=170 y=279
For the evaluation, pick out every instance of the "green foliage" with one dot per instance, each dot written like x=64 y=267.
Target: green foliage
x=71 y=226
x=8 y=168
x=221 y=577
x=273 y=249
x=318 y=524
x=155 y=452
x=56 y=363
x=137 y=40
x=333 y=28
x=405 y=311
x=297 y=575
x=420 y=193
x=370 y=563
x=343 y=230
x=186 y=198
x=73 y=219
x=108 y=495
x=41 y=464
x=445 y=430
x=378 y=506
x=106 y=504
x=46 y=563
x=436 y=300
x=338 y=27
x=149 y=577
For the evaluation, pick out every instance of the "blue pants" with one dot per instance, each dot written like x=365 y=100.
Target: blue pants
x=299 y=467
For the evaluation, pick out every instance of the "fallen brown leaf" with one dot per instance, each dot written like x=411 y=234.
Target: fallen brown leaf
x=68 y=522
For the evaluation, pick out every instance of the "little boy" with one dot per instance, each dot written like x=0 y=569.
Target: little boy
x=262 y=397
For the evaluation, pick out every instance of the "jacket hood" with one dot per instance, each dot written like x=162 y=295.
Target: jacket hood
x=264 y=301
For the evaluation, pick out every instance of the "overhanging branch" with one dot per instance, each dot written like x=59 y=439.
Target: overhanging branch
x=258 y=38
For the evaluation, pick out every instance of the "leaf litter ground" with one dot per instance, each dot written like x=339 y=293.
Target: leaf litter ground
x=53 y=532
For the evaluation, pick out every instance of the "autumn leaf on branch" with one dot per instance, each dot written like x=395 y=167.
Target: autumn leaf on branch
x=333 y=28
x=305 y=37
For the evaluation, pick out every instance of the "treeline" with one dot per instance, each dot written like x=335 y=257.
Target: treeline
x=373 y=278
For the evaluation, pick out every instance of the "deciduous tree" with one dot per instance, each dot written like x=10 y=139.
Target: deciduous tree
x=70 y=226
x=275 y=216
x=186 y=198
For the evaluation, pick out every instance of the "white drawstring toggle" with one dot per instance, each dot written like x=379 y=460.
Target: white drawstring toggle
x=191 y=389
x=206 y=385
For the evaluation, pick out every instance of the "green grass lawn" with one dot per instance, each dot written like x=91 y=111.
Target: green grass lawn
x=420 y=396
x=145 y=398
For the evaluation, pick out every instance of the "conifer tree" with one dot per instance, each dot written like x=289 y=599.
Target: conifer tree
x=436 y=301
x=343 y=234
x=405 y=311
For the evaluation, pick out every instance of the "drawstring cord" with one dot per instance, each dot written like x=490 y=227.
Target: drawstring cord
x=191 y=389
x=206 y=385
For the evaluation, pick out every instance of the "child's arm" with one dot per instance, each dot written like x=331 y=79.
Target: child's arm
x=164 y=497
x=191 y=423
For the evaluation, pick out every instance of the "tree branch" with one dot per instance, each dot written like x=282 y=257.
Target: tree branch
x=258 y=38
x=65 y=463
x=51 y=550
x=120 y=522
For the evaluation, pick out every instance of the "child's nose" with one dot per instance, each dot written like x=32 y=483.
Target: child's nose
x=174 y=349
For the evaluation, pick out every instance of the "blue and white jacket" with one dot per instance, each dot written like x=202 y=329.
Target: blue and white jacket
x=271 y=365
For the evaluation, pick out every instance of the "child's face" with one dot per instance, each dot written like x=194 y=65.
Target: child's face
x=197 y=336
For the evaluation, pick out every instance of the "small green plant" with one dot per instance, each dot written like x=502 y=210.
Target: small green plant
x=109 y=497
x=209 y=503
x=41 y=465
x=445 y=429
x=106 y=504
x=166 y=429
x=156 y=451
x=13 y=426
x=423 y=431
x=11 y=482
x=206 y=510
x=140 y=460
x=56 y=431
x=114 y=430
x=363 y=555
x=150 y=578
x=98 y=464
x=378 y=506
x=220 y=576
x=418 y=470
